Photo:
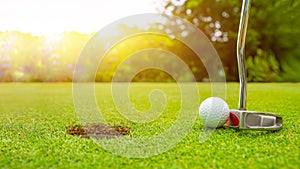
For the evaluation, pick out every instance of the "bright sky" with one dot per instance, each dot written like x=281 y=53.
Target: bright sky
x=46 y=17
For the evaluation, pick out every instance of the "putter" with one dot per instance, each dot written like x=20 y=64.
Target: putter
x=241 y=118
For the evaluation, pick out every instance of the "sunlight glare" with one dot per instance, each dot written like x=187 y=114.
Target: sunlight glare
x=49 y=17
x=53 y=37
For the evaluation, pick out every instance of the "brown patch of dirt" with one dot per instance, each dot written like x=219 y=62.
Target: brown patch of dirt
x=98 y=131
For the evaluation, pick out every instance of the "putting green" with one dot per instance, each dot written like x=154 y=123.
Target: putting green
x=34 y=116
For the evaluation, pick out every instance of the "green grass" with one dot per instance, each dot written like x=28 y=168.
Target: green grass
x=33 y=118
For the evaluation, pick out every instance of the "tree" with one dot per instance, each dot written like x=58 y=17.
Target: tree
x=273 y=28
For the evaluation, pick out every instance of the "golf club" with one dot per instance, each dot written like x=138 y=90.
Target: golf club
x=241 y=118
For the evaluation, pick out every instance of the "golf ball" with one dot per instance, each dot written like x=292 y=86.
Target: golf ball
x=214 y=112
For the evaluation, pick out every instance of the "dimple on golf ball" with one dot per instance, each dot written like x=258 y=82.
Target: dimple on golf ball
x=214 y=112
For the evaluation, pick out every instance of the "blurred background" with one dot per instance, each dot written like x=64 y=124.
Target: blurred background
x=40 y=40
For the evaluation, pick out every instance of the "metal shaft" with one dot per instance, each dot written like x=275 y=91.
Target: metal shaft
x=241 y=53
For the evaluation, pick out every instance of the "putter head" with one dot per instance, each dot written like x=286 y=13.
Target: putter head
x=242 y=119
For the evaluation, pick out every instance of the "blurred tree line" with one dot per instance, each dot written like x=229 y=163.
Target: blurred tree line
x=272 y=47
x=272 y=44
x=28 y=58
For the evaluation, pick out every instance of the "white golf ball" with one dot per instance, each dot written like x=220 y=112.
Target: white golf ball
x=214 y=112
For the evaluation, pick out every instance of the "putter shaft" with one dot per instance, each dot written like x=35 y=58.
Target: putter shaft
x=241 y=53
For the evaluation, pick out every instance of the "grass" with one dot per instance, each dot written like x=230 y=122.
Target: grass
x=33 y=120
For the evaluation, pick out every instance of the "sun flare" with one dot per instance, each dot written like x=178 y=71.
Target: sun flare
x=54 y=16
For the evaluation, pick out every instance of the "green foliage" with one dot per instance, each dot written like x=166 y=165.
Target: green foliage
x=263 y=67
x=273 y=26
x=28 y=58
x=127 y=57
x=34 y=117
x=291 y=70
x=272 y=37
x=193 y=4
x=53 y=59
